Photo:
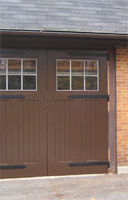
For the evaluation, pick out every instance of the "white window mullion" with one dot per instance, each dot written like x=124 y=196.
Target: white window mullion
x=84 y=78
x=70 y=76
x=98 y=75
x=21 y=74
x=6 y=74
x=36 y=75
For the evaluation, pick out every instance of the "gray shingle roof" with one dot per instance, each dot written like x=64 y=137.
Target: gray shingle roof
x=105 y=16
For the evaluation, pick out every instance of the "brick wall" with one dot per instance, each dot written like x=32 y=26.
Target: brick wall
x=122 y=104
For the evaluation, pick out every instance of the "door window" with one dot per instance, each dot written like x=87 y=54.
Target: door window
x=77 y=75
x=18 y=74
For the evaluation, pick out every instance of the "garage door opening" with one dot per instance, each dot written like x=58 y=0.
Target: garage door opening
x=53 y=114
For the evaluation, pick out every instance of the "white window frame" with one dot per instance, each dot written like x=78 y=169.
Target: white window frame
x=84 y=75
x=20 y=74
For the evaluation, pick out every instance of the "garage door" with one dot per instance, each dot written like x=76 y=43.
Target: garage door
x=23 y=146
x=77 y=113
x=53 y=113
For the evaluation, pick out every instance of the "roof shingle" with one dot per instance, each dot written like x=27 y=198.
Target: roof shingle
x=103 y=16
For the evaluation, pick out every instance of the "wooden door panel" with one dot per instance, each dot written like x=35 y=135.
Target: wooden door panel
x=23 y=128
x=78 y=134
x=21 y=137
x=77 y=127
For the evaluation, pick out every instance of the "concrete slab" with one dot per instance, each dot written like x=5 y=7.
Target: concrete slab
x=123 y=170
x=98 y=187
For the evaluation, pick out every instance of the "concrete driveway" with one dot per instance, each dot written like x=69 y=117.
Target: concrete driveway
x=94 y=187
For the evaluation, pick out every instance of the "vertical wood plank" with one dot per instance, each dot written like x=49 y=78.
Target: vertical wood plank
x=15 y=131
x=9 y=131
x=88 y=130
x=93 y=129
x=67 y=130
x=75 y=130
x=57 y=130
x=84 y=131
x=26 y=133
x=36 y=132
x=99 y=129
x=3 y=128
x=31 y=138
x=62 y=131
x=21 y=131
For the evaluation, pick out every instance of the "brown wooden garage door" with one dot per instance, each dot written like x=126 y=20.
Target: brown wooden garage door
x=59 y=108
x=77 y=113
x=23 y=143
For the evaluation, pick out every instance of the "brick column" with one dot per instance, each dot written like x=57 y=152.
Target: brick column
x=122 y=104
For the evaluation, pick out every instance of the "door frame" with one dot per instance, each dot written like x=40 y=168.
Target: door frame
x=112 y=115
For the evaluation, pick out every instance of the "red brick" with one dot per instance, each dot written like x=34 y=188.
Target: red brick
x=122 y=104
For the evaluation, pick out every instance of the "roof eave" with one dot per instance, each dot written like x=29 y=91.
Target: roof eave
x=51 y=33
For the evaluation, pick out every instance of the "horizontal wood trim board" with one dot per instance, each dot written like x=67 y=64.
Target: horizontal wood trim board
x=89 y=97
x=89 y=164
x=5 y=167
x=46 y=42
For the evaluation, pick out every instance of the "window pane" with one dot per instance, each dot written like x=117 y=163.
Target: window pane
x=29 y=82
x=2 y=66
x=2 y=82
x=63 y=67
x=91 y=83
x=14 y=82
x=63 y=82
x=77 y=83
x=77 y=67
x=14 y=66
x=29 y=66
x=91 y=67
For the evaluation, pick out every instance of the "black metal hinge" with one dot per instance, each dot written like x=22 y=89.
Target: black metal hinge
x=5 y=167
x=12 y=97
x=89 y=97
x=93 y=163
